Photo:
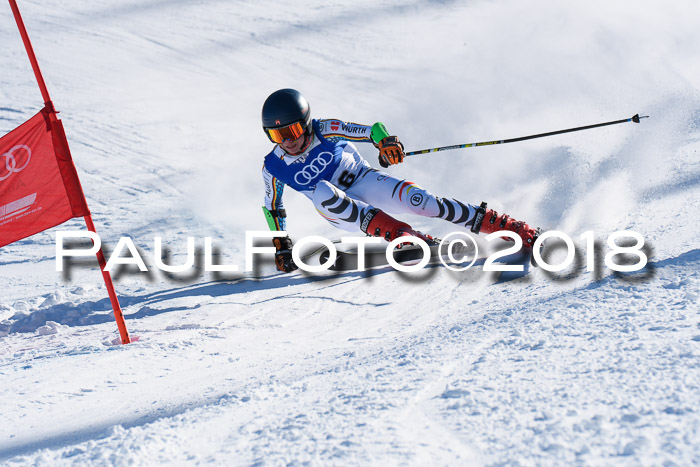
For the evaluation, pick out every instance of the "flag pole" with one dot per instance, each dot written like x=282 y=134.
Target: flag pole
x=118 y=315
x=30 y=53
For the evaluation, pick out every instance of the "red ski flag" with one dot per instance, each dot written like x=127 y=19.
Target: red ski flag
x=39 y=187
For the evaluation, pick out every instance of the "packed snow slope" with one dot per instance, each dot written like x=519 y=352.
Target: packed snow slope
x=161 y=104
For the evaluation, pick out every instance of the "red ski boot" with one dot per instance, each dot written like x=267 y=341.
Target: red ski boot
x=489 y=221
x=380 y=224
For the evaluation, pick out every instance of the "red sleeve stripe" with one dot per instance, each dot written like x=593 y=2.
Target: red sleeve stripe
x=350 y=138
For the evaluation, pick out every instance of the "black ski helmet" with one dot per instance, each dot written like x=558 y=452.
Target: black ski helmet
x=285 y=107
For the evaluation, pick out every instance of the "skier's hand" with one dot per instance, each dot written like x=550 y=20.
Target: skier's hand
x=284 y=261
x=283 y=256
x=390 y=151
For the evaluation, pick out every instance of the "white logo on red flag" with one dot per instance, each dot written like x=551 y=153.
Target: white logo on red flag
x=17 y=207
x=39 y=188
x=11 y=157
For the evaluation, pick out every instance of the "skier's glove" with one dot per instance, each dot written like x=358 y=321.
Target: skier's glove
x=390 y=151
x=283 y=256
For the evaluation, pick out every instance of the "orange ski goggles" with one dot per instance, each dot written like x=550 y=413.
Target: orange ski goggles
x=290 y=132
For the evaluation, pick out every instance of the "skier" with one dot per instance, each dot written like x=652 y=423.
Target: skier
x=318 y=158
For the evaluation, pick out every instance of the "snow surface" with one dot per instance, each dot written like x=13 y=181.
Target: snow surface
x=161 y=104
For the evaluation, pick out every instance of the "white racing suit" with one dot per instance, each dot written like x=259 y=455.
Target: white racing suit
x=344 y=187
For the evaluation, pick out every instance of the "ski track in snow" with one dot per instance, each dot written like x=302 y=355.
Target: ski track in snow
x=161 y=101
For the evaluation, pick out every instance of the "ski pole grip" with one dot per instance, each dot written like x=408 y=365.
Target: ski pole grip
x=378 y=132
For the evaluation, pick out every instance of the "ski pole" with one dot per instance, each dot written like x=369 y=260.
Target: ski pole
x=634 y=119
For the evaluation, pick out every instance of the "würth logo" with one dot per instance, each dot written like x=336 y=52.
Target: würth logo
x=335 y=125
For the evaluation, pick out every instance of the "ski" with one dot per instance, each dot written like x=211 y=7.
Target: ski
x=375 y=256
x=349 y=260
